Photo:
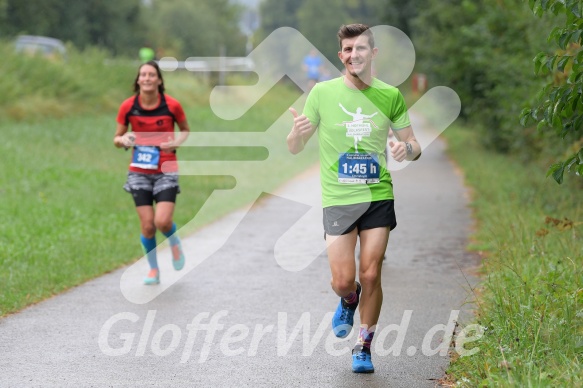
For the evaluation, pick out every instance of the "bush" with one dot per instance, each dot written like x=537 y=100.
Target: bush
x=35 y=87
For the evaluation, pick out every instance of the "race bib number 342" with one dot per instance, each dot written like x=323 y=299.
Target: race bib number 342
x=146 y=157
x=358 y=168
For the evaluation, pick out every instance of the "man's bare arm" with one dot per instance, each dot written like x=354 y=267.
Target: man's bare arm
x=407 y=147
x=300 y=133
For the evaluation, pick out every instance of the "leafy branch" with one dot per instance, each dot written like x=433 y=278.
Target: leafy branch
x=560 y=106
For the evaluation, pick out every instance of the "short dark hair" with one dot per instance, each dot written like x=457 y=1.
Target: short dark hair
x=154 y=64
x=347 y=31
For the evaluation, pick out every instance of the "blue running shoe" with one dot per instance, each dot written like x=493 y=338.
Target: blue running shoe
x=343 y=318
x=361 y=360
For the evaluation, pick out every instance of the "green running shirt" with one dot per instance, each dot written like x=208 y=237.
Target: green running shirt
x=353 y=124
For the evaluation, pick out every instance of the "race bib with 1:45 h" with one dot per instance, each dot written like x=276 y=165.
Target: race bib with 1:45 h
x=358 y=168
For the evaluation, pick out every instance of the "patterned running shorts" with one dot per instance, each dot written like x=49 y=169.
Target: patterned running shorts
x=154 y=183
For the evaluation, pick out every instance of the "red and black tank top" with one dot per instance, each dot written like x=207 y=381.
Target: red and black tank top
x=152 y=126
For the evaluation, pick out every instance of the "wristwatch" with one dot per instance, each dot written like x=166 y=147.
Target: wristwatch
x=409 y=148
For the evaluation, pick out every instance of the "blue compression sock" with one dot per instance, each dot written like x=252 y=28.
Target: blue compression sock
x=149 y=245
x=172 y=237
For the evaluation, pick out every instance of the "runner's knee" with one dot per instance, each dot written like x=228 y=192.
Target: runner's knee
x=370 y=277
x=148 y=230
x=164 y=225
x=343 y=285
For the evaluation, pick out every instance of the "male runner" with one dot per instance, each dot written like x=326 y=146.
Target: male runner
x=357 y=189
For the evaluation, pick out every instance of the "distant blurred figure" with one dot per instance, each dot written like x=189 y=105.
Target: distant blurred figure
x=312 y=66
x=146 y=54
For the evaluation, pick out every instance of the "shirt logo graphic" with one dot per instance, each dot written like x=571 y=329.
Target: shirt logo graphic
x=360 y=126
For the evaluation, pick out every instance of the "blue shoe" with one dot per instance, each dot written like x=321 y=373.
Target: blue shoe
x=361 y=360
x=153 y=277
x=177 y=256
x=343 y=318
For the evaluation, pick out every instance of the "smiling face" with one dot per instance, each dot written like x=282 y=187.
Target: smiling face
x=356 y=55
x=148 y=79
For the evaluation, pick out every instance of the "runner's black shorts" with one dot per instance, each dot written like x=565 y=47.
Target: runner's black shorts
x=339 y=220
x=149 y=188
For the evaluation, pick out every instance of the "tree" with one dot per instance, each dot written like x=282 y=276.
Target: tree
x=33 y=17
x=479 y=48
x=321 y=32
x=111 y=24
x=184 y=28
x=114 y=24
x=401 y=13
x=306 y=17
x=3 y=7
x=560 y=106
x=278 y=13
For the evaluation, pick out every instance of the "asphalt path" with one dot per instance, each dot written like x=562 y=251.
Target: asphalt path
x=243 y=317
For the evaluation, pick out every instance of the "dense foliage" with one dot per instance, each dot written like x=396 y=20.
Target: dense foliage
x=178 y=28
x=112 y=24
x=185 y=28
x=484 y=50
x=560 y=105
x=307 y=17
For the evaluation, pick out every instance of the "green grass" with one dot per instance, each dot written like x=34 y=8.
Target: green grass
x=34 y=87
x=530 y=302
x=65 y=217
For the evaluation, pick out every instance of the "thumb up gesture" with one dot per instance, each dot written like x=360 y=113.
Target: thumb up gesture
x=398 y=150
x=302 y=125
